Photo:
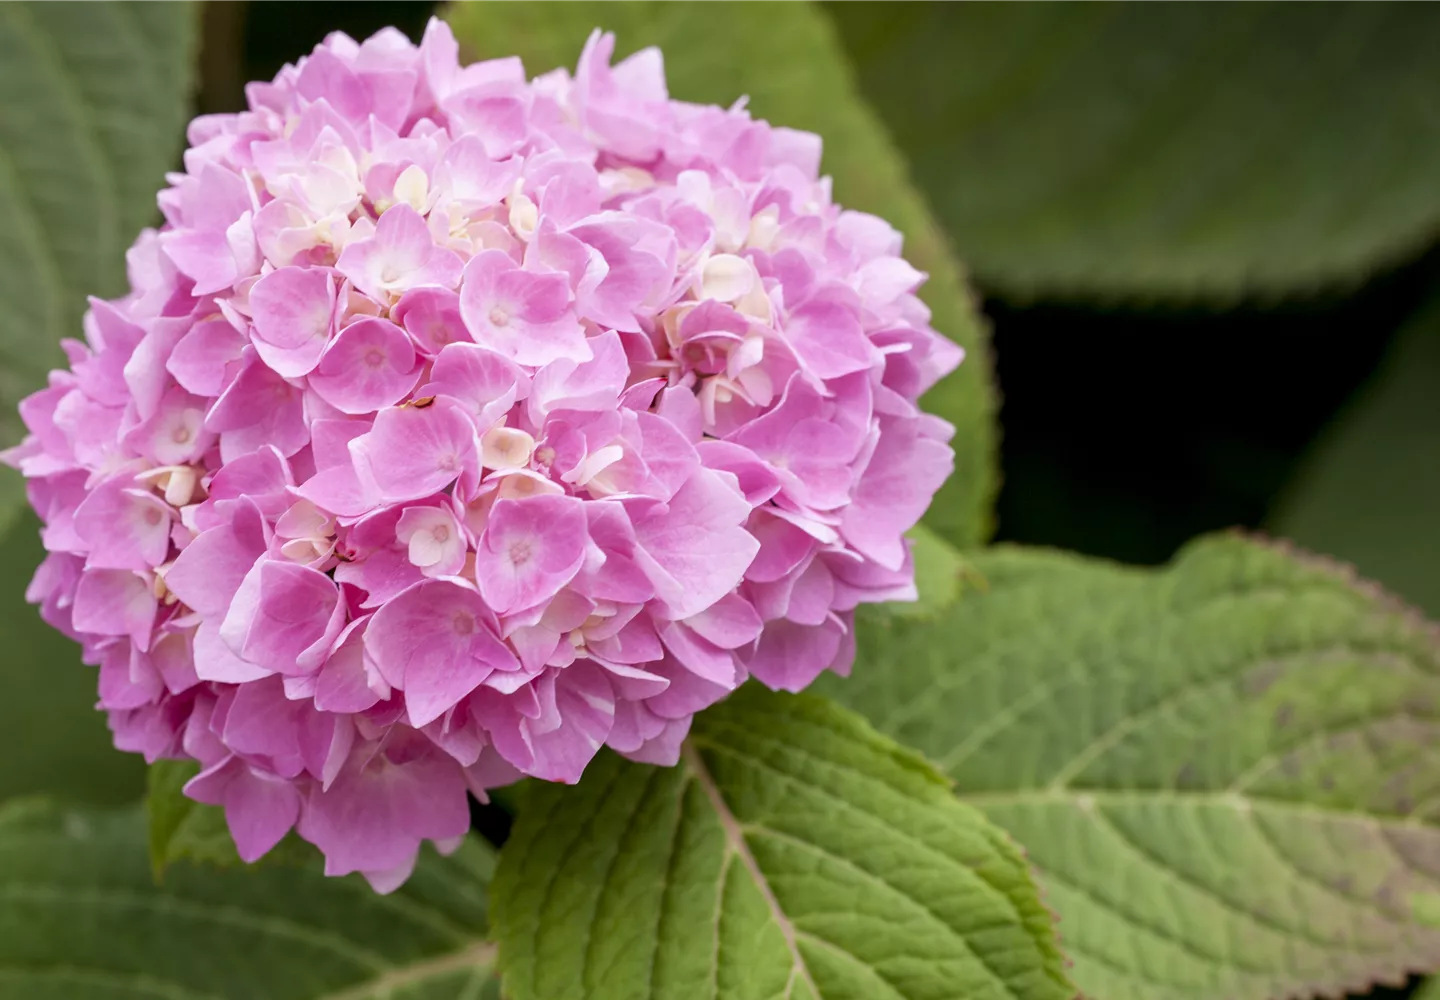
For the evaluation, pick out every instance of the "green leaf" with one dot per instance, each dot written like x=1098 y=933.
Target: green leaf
x=940 y=572
x=81 y=919
x=787 y=59
x=166 y=808
x=1429 y=990
x=1369 y=492
x=56 y=742
x=1163 y=150
x=1225 y=771
x=93 y=103
x=794 y=852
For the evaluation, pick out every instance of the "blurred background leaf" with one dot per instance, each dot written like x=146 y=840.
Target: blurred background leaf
x=58 y=742
x=787 y=59
x=93 y=102
x=1168 y=151
x=83 y=920
x=1369 y=493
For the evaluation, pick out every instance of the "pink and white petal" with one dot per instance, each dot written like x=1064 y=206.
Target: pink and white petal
x=370 y=365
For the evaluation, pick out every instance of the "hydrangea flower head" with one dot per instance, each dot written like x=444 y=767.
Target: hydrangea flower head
x=457 y=425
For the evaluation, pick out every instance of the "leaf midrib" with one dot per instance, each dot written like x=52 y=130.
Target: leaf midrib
x=137 y=983
x=480 y=953
x=236 y=917
x=737 y=847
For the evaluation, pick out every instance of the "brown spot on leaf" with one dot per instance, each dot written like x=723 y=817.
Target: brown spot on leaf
x=1259 y=679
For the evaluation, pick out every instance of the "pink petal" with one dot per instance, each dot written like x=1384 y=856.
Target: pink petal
x=728 y=623
x=402 y=254
x=695 y=550
x=371 y=364
x=115 y=602
x=521 y=316
x=204 y=257
x=374 y=816
x=215 y=661
x=200 y=360
x=530 y=549
x=432 y=318
x=126 y=528
x=790 y=656
x=825 y=332
x=414 y=451
x=342 y=684
x=257 y=409
x=483 y=382
x=293 y=311
x=281 y=611
x=208 y=573
x=436 y=643
x=260 y=808
x=557 y=749
x=894 y=492
x=588 y=385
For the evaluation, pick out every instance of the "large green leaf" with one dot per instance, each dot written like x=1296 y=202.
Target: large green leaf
x=81 y=919
x=93 y=102
x=787 y=59
x=1163 y=150
x=1226 y=771
x=793 y=853
x=1369 y=493
x=56 y=742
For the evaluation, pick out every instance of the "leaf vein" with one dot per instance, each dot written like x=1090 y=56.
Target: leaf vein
x=736 y=839
x=231 y=916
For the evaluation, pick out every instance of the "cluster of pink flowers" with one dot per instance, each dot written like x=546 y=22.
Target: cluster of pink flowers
x=458 y=425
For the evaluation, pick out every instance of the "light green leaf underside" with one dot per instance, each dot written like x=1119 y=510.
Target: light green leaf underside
x=1369 y=492
x=93 y=102
x=787 y=59
x=167 y=810
x=793 y=853
x=56 y=742
x=81 y=919
x=939 y=575
x=1226 y=771
x=1163 y=150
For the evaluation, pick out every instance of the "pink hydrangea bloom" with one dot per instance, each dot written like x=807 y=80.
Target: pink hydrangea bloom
x=458 y=425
